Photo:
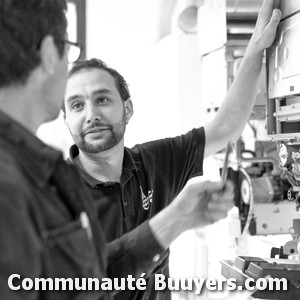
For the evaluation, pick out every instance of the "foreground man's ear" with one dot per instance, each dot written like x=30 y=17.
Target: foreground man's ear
x=49 y=54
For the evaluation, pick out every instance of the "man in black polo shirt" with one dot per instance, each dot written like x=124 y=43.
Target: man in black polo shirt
x=132 y=185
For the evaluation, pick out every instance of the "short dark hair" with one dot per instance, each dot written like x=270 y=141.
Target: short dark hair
x=96 y=63
x=23 y=25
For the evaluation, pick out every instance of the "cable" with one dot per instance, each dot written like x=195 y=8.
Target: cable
x=251 y=202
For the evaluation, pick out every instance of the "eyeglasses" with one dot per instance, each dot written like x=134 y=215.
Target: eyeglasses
x=74 y=50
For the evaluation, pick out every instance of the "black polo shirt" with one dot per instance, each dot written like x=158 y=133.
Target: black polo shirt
x=153 y=174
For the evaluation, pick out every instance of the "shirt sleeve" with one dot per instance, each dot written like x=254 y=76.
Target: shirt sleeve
x=20 y=247
x=176 y=159
x=135 y=253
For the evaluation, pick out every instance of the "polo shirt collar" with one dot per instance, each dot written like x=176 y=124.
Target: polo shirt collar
x=129 y=165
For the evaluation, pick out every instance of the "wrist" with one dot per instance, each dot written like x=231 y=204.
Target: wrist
x=254 y=49
x=166 y=226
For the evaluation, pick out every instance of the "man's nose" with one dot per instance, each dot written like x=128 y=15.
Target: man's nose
x=93 y=114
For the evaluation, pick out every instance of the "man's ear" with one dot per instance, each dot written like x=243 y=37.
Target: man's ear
x=67 y=125
x=63 y=114
x=128 y=109
x=65 y=119
x=49 y=54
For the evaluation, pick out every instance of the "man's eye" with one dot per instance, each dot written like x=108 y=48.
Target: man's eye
x=102 y=100
x=77 y=106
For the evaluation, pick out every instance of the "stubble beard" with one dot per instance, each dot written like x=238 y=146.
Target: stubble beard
x=113 y=136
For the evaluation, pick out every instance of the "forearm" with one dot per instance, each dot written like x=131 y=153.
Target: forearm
x=134 y=253
x=200 y=203
x=237 y=106
x=239 y=102
x=166 y=226
x=241 y=96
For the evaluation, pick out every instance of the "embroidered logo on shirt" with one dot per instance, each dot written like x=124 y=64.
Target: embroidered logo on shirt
x=146 y=199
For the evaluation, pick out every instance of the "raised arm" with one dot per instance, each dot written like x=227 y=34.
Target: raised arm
x=238 y=104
